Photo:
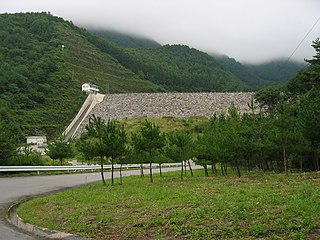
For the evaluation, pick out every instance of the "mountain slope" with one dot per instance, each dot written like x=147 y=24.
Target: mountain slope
x=125 y=40
x=276 y=71
x=257 y=76
x=176 y=67
x=87 y=63
x=41 y=79
x=182 y=68
x=239 y=70
x=254 y=76
x=44 y=61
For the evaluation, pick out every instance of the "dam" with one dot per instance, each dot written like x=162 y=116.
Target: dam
x=155 y=105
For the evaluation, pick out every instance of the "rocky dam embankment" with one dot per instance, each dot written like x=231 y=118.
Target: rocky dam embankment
x=155 y=105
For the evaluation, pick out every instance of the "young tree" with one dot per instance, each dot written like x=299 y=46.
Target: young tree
x=309 y=114
x=133 y=155
x=233 y=140
x=256 y=129
x=114 y=141
x=202 y=154
x=215 y=138
x=307 y=79
x=60 y=148
x=105 y=140
x=288 y=136
x=268 y=98
x=96 y=130
x=161 y=158
x=180 y=149
x=7 y=145
x=149 y=140
x=87 y=146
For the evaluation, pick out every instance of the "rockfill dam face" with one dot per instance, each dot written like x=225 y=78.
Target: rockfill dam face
x=155 y=105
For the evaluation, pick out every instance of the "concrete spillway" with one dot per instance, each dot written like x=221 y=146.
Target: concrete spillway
x=87 y=106
x=119 y=106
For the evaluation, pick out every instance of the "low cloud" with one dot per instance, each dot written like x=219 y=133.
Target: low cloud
x=248 y=30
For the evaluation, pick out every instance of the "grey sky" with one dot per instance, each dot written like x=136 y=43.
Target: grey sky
x=248 y=30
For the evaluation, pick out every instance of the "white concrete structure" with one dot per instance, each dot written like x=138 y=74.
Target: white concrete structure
x=37 y=144
x=36 y=140
x=89 y=103
x=90 y=88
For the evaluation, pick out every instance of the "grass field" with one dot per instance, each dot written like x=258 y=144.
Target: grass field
x=167 y=124
x=255 y=206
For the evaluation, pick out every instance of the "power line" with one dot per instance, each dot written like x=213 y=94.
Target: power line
x=314 y=25
x=294 y=51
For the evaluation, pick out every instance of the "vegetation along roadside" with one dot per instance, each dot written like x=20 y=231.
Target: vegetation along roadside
x=264 y=206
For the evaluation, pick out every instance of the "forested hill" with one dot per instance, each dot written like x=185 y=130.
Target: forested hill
x=176 y=67
x=44 y=61
x=181 y=68
x=125 y=40
x=276 y=71
x=257 y=76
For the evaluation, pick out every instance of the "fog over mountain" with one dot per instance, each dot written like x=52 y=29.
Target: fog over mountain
x=248 y=30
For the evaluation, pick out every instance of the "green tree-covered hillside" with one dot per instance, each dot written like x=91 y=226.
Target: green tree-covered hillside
x=125 y=40
x=276 y=71
x=176 y=67
x=44 y=61
x=181 y=68
x=257 y=76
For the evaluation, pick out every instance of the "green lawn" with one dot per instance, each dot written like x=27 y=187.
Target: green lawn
x=255 y=206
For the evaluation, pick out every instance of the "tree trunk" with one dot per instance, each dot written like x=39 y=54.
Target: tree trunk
x=121 y=174
x=61 y=160
x=151 y=177
x=181 y=175
x=267 y=166
x=238 y=169
x=185 y=168
x=112 y=170
x=279 y=167
x=213 y=168
x=272 y=166
x=260 y=165
x=221 y=166
x=190 y=168
x=160 y=170
x=285 y=161
x=205 y=167
x=150 y=167
x=102 y=175
x=226 y=168
x=248 y=166
x=141 y=170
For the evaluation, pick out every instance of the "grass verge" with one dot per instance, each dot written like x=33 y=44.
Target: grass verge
x=255 y=206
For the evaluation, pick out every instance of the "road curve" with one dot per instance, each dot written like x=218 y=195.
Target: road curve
x=14 y=189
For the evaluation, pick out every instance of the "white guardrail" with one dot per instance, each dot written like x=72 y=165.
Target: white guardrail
x=78 y=167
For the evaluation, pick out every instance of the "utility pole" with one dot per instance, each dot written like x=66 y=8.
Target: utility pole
x=107 y=88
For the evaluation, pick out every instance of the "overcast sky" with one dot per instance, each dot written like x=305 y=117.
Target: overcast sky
x=247 y=30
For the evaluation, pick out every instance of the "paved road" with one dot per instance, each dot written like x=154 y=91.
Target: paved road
x=16 y=188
